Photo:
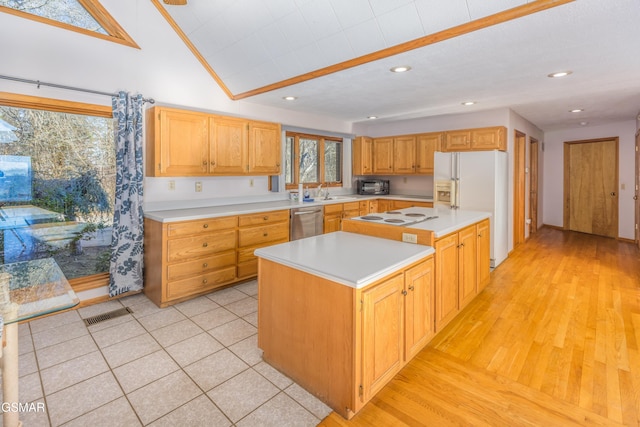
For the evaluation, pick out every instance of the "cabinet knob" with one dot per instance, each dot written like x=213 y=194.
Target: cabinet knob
x=404 y=292
x=205 y=226
x=205 y=244
x=411 y=288
x=265 y=234
x=278 y=164
x=204 y=281
x=204 y=163
x=205 y=265
x=266 y=218
x=213 y=163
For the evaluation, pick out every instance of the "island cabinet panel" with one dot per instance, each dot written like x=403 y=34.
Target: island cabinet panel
x=484 y=254
x=446 y=280
x=340 y=343
x=419 y=307
x=467 y=265
x=257 y=231
x=188 y=258
x=382 y=338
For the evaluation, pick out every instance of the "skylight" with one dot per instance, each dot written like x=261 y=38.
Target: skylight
x=84 y=16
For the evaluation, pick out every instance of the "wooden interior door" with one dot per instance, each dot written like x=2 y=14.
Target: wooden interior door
x=591 y=184
x=519 y=188
x=533 y=186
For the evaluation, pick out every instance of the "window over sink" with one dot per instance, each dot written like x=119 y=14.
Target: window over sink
x=312 y=160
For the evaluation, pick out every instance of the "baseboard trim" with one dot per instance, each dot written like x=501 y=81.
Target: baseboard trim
x=555 y=227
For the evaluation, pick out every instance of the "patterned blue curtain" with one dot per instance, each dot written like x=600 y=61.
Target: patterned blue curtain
x=128 y=228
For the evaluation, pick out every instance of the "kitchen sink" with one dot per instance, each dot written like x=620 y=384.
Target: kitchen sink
x=335 y=198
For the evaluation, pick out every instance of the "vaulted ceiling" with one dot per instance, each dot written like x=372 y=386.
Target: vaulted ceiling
x=334 y=56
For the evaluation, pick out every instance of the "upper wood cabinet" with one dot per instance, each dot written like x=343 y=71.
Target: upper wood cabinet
x=383 y=155
x=404 y=154
x=491 y=138
x=362 y=152
x=188 y=143
x=177 y=142
x=426 y=145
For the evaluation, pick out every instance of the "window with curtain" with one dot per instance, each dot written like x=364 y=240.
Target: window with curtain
x=57 y=185
x=312 y=160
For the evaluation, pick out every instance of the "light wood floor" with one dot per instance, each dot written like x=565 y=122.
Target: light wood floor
x=554 y=340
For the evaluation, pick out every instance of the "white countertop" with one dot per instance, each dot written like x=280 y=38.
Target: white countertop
x=189 y=214
x=351 y=259
x=448 y=221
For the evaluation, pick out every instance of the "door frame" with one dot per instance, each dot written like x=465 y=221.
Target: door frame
x=636 y=190
x=519 y=187
x=533 y=185
x=567 y=180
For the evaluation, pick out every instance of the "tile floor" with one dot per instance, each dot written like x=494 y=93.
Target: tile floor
x=193 y=364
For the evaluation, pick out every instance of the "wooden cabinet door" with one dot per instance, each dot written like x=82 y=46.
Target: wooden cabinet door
x=404 y=154
x=484 y=254
x=467 y=265
x=492 y=138
x=382 y=337
x=333 y=217
x=373 y=206
x=264 y=148
x=446 y=293
x=419 y=306
x=383 y=155
x=362 y=149
x=426 y=145
x=228 y=146
x=182 y=139
x=384 y=205
x=457 y=140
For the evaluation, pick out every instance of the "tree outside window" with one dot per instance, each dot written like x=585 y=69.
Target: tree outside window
x=312 y=160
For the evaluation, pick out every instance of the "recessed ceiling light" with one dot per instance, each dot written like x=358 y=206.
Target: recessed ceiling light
x=372 y=117
x=289 y=98
x=559 y=74
x=469 y=103
x=400 y=69
x=584 y=123
x=576 y=110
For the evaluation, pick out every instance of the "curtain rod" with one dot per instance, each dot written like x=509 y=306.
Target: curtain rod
x=39 y=83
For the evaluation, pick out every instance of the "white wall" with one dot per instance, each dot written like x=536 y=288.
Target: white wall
x=554 y=171
x=163 y=68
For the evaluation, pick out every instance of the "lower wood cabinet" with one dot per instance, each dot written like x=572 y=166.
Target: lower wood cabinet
x=336 y=212
x=188 y=258
x=352 y=341
x=462 y=270
x=256 y=231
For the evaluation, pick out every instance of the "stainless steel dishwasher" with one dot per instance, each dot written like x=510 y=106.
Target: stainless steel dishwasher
x=306 y=222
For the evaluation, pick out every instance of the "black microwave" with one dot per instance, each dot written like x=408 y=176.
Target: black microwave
x=373 y=186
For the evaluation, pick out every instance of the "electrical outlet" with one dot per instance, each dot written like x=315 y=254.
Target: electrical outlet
x=251 y=183
x=409 y=238
x=172 y=185
x=198 y=187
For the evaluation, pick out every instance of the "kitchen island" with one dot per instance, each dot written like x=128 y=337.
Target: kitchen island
x=341 y=313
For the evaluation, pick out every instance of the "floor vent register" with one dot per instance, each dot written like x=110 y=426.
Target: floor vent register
x=106 y=316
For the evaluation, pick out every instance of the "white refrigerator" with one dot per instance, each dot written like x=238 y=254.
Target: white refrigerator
x=480 y=183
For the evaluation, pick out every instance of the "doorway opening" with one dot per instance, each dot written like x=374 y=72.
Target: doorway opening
x=590 y=186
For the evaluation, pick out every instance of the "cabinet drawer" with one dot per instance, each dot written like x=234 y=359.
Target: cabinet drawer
x=248 y=268
x=268 y=233
x=351 y=206
x=263 y=218
x=199 y=246
x=194 y=227
x=201 y=266
x=186 y=287
x=246 y=254
x=350 y=213
x=336 y=207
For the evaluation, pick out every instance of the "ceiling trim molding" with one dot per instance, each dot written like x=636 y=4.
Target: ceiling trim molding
x=192 y=48
x=116 y=33
x=459 y=30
